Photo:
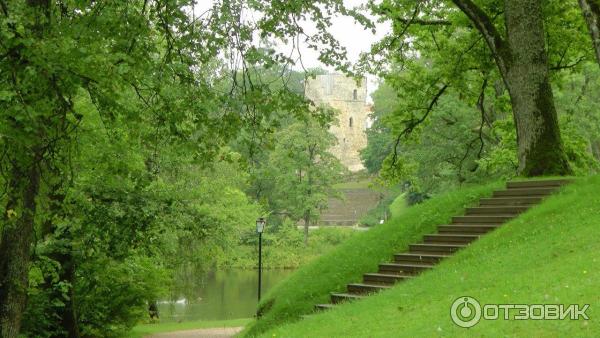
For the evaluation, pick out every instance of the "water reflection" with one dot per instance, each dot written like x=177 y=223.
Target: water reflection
x=218 y=295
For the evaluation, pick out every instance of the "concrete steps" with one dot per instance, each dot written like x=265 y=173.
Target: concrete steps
x=527 y=201
x=491 y=213
x=495 y=210
x=342 y=297
x=384 y=278
x=475 y=229
x=360 y=288
x=416 y=258
x=356 y=203
x=404 y=268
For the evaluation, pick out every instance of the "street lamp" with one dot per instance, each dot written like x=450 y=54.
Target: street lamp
x=260 y=227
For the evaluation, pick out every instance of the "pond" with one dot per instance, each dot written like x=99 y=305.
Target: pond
x=219 y=295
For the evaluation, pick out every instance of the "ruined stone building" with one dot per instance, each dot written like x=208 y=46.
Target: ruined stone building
x=349 y=98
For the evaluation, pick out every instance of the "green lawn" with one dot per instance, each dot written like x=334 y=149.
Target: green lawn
x=549 y=255
x=312 y=283
x=398 y=206
x=143 y=330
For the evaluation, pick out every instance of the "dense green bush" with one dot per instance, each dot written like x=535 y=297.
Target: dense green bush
x=284 y=247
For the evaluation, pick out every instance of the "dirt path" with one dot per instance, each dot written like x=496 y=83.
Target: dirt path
x=218 y=332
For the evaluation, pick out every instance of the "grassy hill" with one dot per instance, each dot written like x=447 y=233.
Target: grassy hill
x=311 y=284
x=549 y=255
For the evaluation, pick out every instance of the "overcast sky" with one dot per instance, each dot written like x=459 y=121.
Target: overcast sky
x=350 y=34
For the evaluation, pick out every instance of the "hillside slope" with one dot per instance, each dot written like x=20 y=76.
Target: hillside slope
x=311 y=284
x=549 y=255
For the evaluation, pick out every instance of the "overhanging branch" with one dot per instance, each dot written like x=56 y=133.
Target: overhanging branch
x=413 y=123
x=486 y=27
x=423 y=22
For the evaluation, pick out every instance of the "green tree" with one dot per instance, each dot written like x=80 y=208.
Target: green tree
x=303 y=171
x=518 y=50
x=134 y=60
x=380 y=138
x=591 y=13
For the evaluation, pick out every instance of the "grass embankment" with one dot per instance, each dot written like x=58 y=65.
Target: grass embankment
x=393 y=203
x=312 y=283
x=144 y=330
x=398 y=205
x=549 y=255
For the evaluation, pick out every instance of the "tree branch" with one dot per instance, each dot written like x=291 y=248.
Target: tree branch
x=486 y=27
x=423 y=22
x=413 y=123
x=559 y=66
x=591 y=13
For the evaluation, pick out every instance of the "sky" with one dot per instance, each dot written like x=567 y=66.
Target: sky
x=351 y=35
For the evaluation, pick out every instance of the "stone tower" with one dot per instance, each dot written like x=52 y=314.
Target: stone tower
x=349 y=98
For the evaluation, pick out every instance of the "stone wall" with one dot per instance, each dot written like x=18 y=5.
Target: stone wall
x=349 y=98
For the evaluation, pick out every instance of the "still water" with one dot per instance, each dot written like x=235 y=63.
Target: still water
x=221 y=294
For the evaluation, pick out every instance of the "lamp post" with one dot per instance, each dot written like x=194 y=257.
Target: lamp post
x=260 y=227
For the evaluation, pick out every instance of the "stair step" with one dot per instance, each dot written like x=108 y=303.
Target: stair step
x=524 y=192
x=360 y=288
x=384 y=278
x=521 y=201
x=321 y=307
x=467 y=229
x=501 y=210
x=435 y=248
x=412 y=269
x=536 y=184
x=482 y=219
x=347 y=223
x=411 y=258
x=450 y=238
x=337 y=298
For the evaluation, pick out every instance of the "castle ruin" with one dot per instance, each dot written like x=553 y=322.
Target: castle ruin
x=349 y=98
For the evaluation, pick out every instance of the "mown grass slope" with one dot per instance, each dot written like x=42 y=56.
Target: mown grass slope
x=398 y=206
x=549 y=255
x=311 y=284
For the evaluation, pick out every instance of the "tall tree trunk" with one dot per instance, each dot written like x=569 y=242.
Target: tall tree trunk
x=69 y=316
x=540 y=148
x=15 y=245
x=591 y=13
x=523 y=63
x=595 y=145
x=306 y=225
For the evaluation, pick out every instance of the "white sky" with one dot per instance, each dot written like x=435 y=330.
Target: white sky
x=350 y=34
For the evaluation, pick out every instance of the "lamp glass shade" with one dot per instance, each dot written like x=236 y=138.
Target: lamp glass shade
x=260 y=225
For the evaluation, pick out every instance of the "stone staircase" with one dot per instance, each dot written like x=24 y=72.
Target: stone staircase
x=356 y=203
x=491 y=213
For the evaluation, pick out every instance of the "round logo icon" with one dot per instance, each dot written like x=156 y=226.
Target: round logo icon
x=465 y=311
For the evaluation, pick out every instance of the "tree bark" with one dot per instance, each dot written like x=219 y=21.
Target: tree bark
x=591 y=13
x=15 y=245
x=540 y=148
x=523 y=63
x=306 y=225
x=69 y=319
